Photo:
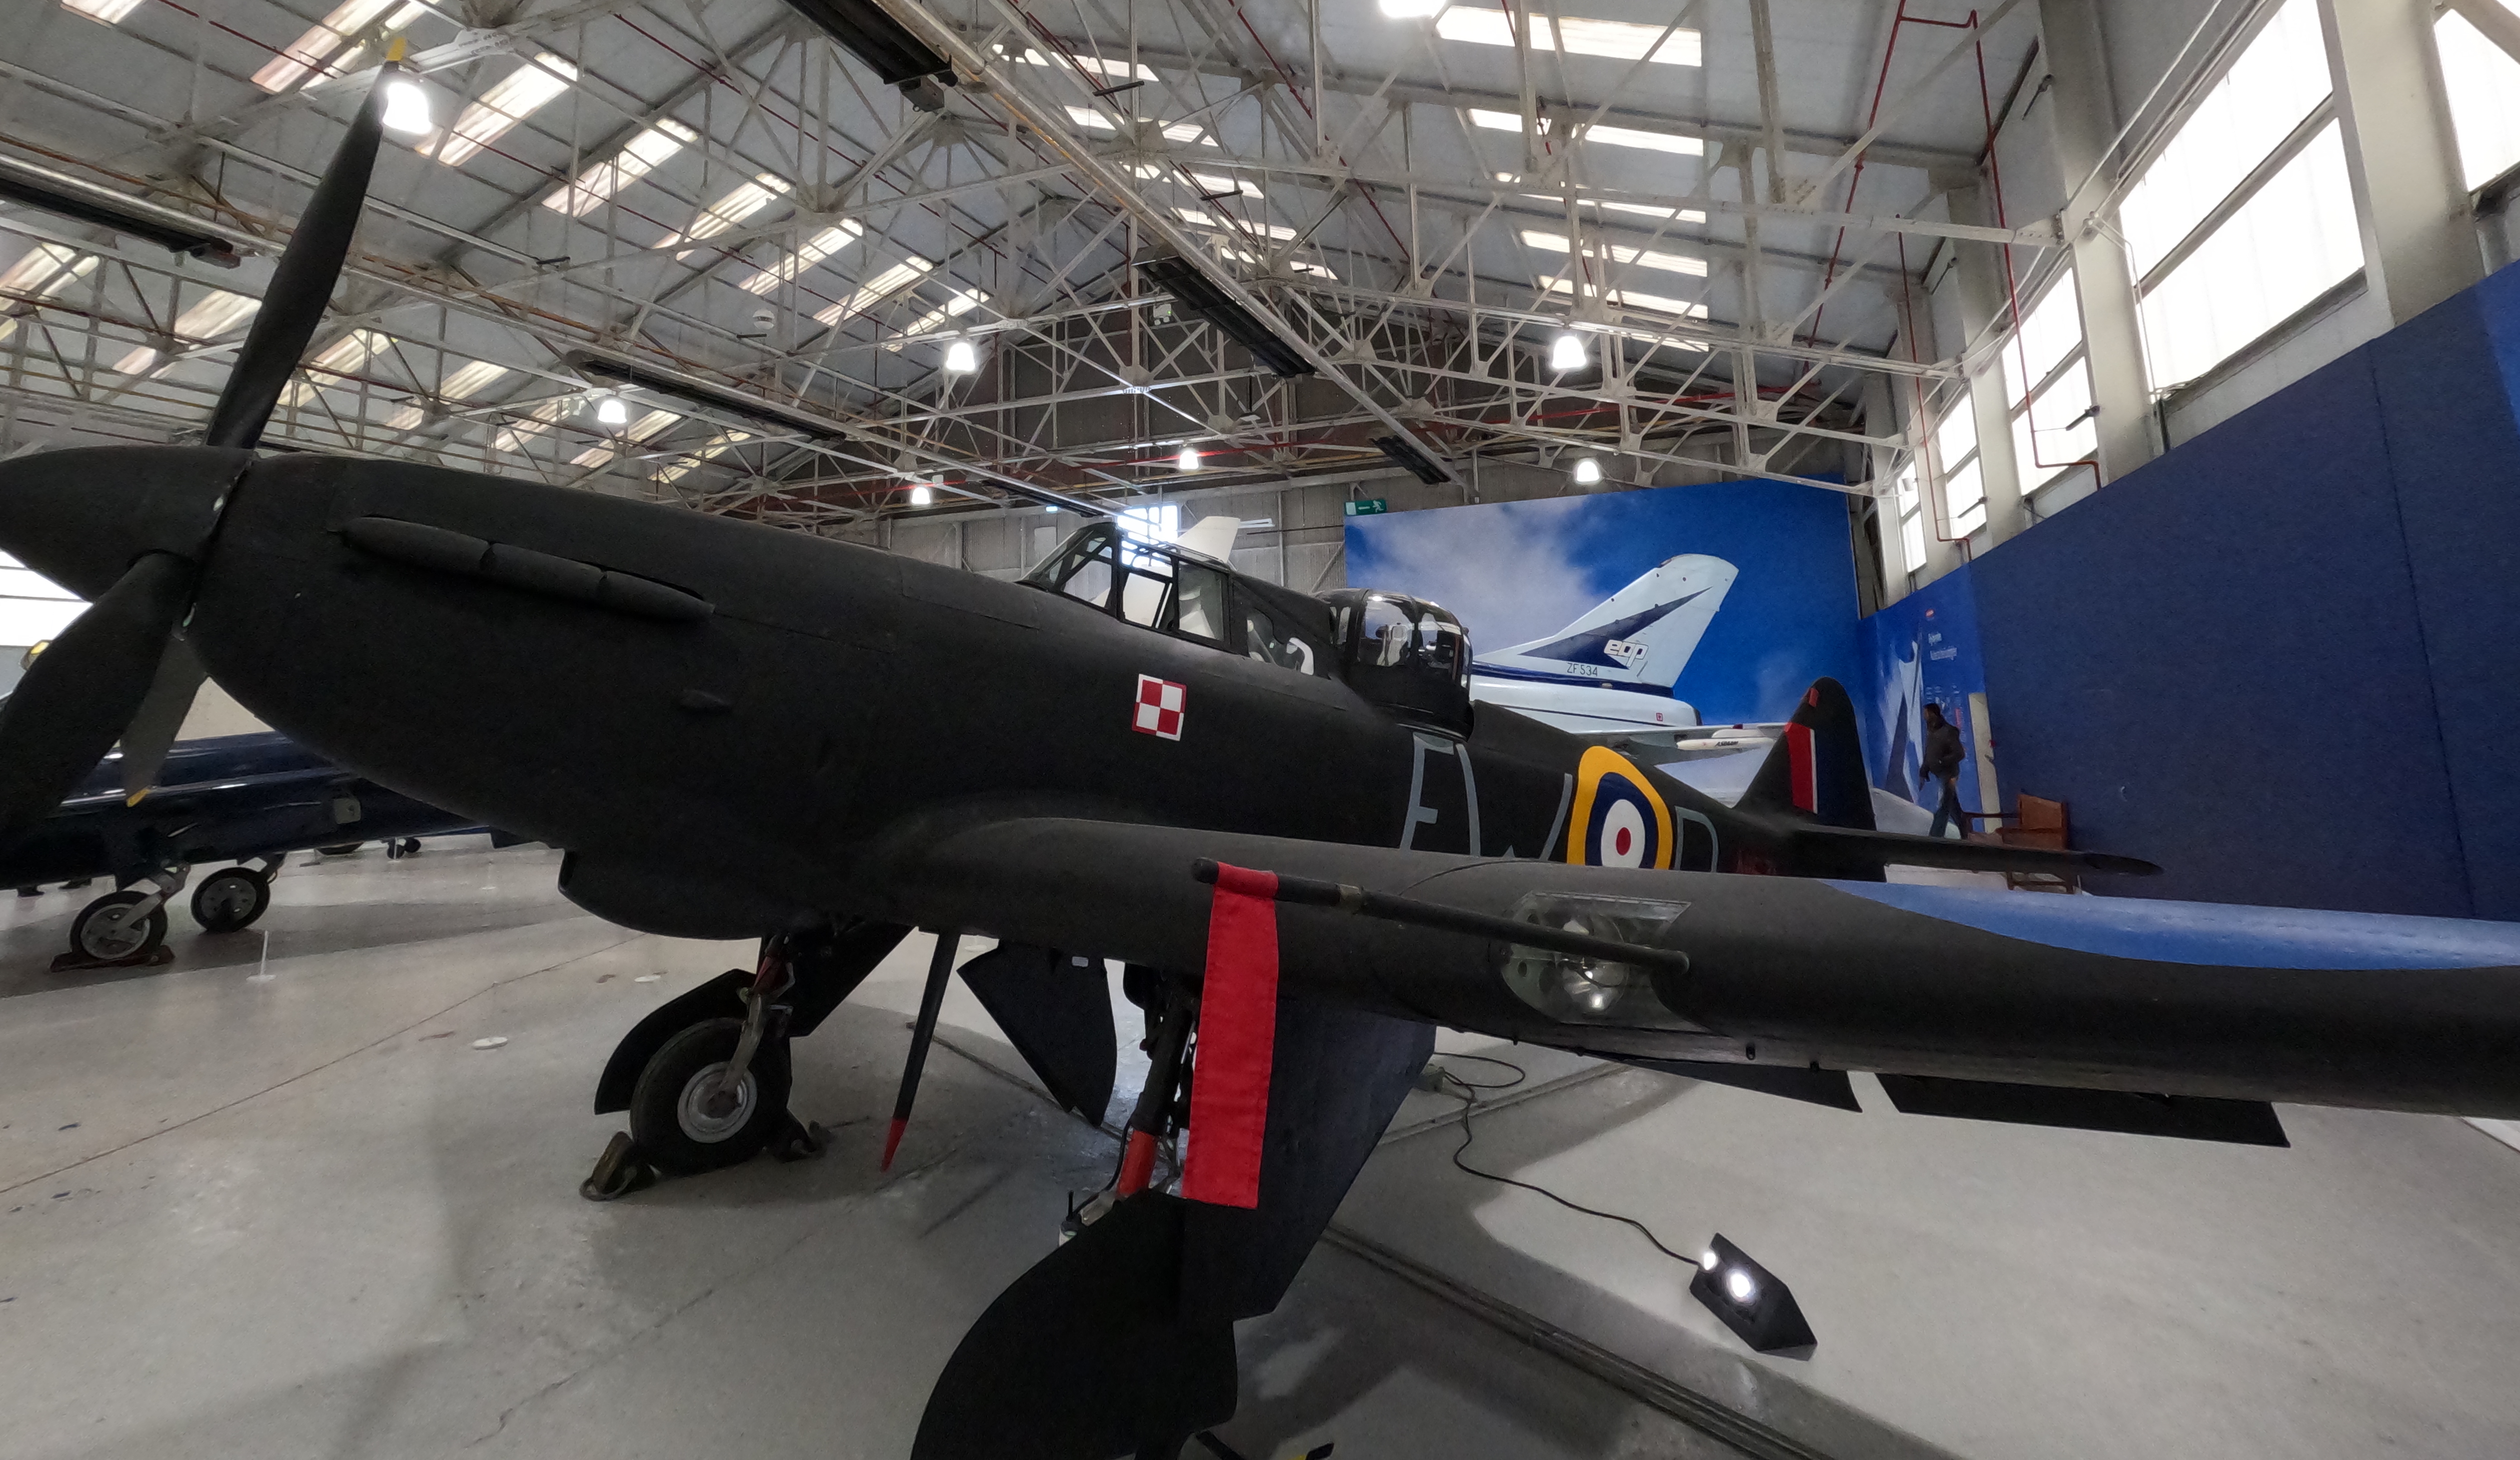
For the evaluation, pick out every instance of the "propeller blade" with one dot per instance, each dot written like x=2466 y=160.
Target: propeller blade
x=151 y=732
x=301 y=284
x=80 y=693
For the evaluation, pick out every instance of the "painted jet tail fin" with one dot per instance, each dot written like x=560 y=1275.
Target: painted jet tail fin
x=1815 y=770
x=1640 y=635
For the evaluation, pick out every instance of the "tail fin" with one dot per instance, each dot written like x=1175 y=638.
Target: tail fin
x=1817 y=767
x=1643 y=634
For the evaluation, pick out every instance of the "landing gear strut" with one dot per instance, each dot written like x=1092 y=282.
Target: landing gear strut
x=705 y=1077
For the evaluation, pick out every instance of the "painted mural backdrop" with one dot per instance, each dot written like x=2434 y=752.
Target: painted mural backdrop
x=1923 y=649
x=1517 y=571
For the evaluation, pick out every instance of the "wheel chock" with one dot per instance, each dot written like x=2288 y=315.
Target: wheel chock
x=620 y=1170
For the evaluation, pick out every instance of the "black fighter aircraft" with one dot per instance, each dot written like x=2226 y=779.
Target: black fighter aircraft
x=1281 y=812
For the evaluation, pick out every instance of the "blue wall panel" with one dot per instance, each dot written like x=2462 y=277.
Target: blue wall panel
x=2447 y=394
x=2218 y=663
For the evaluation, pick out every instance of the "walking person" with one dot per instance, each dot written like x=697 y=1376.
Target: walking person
x=1943 y=761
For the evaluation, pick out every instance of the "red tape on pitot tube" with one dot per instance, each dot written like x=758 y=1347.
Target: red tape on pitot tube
x=1237 y=1038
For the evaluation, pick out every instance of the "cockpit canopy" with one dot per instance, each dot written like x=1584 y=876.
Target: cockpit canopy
x=1170 y=588
x=1406 y=654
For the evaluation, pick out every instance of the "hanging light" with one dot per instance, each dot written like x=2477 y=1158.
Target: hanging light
x=407 y=110
x=1187 y=460
x=613 y=410
x=1568 y=352
x=921 y=495
x=1587 y=472
x=961 y=358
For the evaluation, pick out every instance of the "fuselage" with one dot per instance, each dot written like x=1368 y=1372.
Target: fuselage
x=833 y=701
x=1580 y=706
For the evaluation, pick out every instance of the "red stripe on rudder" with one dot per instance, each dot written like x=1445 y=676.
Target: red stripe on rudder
x=1806 y=787
x=1237 y=1038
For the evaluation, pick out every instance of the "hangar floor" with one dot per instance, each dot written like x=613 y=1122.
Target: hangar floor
x=270 y=1200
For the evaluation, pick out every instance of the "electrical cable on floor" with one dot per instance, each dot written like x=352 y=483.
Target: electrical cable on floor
x=1469 y=1096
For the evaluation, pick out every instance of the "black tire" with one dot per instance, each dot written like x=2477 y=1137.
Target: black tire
x=104 y=932
x=231 y=901
x=667 y=1121
x=340 y=849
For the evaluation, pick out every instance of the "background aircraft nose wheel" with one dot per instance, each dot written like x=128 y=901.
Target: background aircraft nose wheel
x=114 y=929
x=684 y=1124
x=230 y=901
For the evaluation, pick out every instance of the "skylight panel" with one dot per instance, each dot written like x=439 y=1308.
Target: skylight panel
x=1628 y=298
x=817 y=249
x=875 y=290
x=1646 y=258
x=1188 y=131
x=1576 y=35
x=962 y=304
x=1649 y=210
x=1496 y=121
x=650 y=424
x=210 y=316
x=520 y=95
x=471 y=379
x=110 y=11
x=47 y=268
x=343 y=356
x=331 y=35
x=645 y=154
x=517 y=434
x=593 y=456
x=745 y=200
x=1087 y=116
x=1096 y=63
x=407 y=417
x=718 y=445
x=1661 y=142
x=1197 y=219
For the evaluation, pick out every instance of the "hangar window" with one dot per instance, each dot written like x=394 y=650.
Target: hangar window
x=1957 y=468
x=2483 y=84
x=2048 y=390
x=1910 y=504
x=2245 y=217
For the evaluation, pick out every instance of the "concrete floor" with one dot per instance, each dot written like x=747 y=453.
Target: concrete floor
x=272 y=1202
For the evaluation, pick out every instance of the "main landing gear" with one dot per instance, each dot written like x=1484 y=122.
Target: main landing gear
x=705 y=1077
x=128 y=928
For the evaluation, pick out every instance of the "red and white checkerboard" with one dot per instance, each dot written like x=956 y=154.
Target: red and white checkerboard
x=1159 y=707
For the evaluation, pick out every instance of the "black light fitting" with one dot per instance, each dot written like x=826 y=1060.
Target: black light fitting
x=102 y=207
x=1194 y=292
x=1419 y=465
x=1759 y=1308
x=868 y=32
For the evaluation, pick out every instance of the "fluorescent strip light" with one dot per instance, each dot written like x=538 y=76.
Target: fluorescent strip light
x=645 y=154
x=875 y=290
x=327 y=35
x=520 y=95
x=815 y=249
x=745 y=200
x=1576 y=35
x=1646 y=258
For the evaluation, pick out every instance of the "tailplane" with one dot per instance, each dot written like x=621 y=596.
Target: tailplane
x=1816 y=766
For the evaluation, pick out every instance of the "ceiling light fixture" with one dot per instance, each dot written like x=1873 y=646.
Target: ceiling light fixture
x=921 y=495
x=1566 y=352
x=1187 y=460
x=961 y=358
x=1588 y=471
x=407 y=110
x=613 y=410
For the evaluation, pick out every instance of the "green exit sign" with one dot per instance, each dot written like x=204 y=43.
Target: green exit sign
x=1366 y=506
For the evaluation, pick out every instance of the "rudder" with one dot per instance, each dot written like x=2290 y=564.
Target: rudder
x=1815 y=769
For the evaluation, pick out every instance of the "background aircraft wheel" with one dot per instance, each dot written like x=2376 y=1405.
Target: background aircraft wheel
x=670 y=1115
x=340 y=849
x=109 y=930
x=230 y=901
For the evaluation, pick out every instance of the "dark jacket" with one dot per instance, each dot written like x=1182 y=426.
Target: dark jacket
x=1943 y=750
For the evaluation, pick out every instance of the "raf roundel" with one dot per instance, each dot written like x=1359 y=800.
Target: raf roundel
x=1617 y=820
x=1159 y=707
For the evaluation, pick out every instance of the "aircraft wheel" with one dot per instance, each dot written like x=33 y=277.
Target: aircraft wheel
x=230 y=901
x=672 y=1117
x=109 y=929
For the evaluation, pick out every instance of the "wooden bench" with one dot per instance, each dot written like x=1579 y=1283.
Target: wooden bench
x=2034 y=822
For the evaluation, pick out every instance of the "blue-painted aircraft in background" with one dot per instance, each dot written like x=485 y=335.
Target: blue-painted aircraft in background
x=248 y=799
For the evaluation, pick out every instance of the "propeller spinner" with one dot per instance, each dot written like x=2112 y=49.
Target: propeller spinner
x=135 y=543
